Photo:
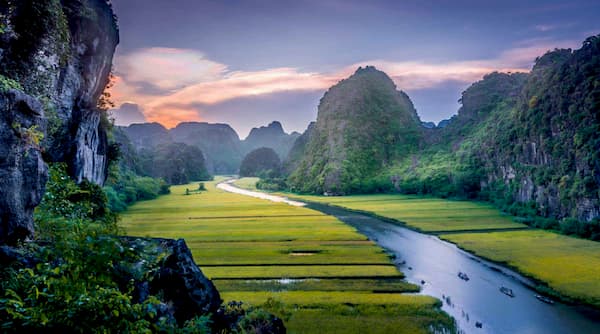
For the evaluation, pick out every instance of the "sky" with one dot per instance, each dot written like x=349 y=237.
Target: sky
x=247 y=63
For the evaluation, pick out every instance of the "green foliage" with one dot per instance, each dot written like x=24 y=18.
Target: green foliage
x=36 y=21
x=83 y=277
x=8 y=83
x=364 y=125
x=64 y=287
x=247 y=319
x=261 y=161
x=31 y=137
x=124 y=188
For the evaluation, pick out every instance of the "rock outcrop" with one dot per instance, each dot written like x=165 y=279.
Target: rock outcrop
x=547 y=147
x=58 y=55
x=23 y=172
x=185 y=291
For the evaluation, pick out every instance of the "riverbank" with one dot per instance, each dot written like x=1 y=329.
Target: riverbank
x=477 y=301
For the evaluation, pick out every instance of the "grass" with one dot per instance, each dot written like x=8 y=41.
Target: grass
x=286 y=252
x=330 y=284
x=568 y=265
x=322 y=273
x=315 y=298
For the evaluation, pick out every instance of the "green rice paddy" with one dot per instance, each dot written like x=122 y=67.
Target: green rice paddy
x=317 y=273
x=568 y=265
x=432 y=215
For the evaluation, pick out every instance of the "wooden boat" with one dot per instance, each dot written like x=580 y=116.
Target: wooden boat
x=507 y=291
x=463 y=276
x=545 y=299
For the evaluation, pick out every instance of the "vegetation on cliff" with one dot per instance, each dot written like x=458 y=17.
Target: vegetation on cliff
x=528 y=143
x=364 y=125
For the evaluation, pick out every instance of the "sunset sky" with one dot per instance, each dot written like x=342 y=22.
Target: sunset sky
x=247 y=63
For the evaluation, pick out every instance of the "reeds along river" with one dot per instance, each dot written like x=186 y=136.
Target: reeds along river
x=477 y=304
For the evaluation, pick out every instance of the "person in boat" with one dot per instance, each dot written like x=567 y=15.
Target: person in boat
x=507 y=291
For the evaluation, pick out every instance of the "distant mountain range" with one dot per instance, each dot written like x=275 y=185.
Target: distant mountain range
x=222 y=148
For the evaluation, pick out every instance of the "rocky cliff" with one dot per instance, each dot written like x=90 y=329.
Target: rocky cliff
x=544 y=148
x=528 y=142
x=55 y=60
x=363 y=124
x=297 y=150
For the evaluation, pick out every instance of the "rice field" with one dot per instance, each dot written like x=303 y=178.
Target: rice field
x=431 y=215
x=569 y=266
x=312 y=270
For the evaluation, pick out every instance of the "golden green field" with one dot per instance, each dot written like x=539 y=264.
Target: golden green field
x=317 y=273
x=432 y=215
x=568 y=265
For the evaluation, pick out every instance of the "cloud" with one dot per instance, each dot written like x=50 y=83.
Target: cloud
x=128 y=113
x=173 y=85
x=168 y=68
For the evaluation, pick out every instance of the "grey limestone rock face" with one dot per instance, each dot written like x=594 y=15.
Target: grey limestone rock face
x=23 y=173
x=60 y=54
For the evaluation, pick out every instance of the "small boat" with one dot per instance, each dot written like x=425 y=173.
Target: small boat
x=463 y=276
x=478 y=324
x=507 y=291
x=545 y=299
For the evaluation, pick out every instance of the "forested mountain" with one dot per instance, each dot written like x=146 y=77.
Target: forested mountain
x=262 y=161
x=297 y=151
x=220 y=144
x=271 y=136
x=363 y=125
x=147 y=135
x=528 y=142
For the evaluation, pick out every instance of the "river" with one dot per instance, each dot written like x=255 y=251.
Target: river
x=426 y=258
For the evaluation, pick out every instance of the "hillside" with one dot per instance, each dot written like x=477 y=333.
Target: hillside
x=528 y=142
x=363 y=125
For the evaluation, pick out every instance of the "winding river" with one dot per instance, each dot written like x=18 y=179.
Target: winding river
x=434 y=264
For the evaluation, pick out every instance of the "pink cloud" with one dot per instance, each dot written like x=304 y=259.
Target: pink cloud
x=192 y=80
